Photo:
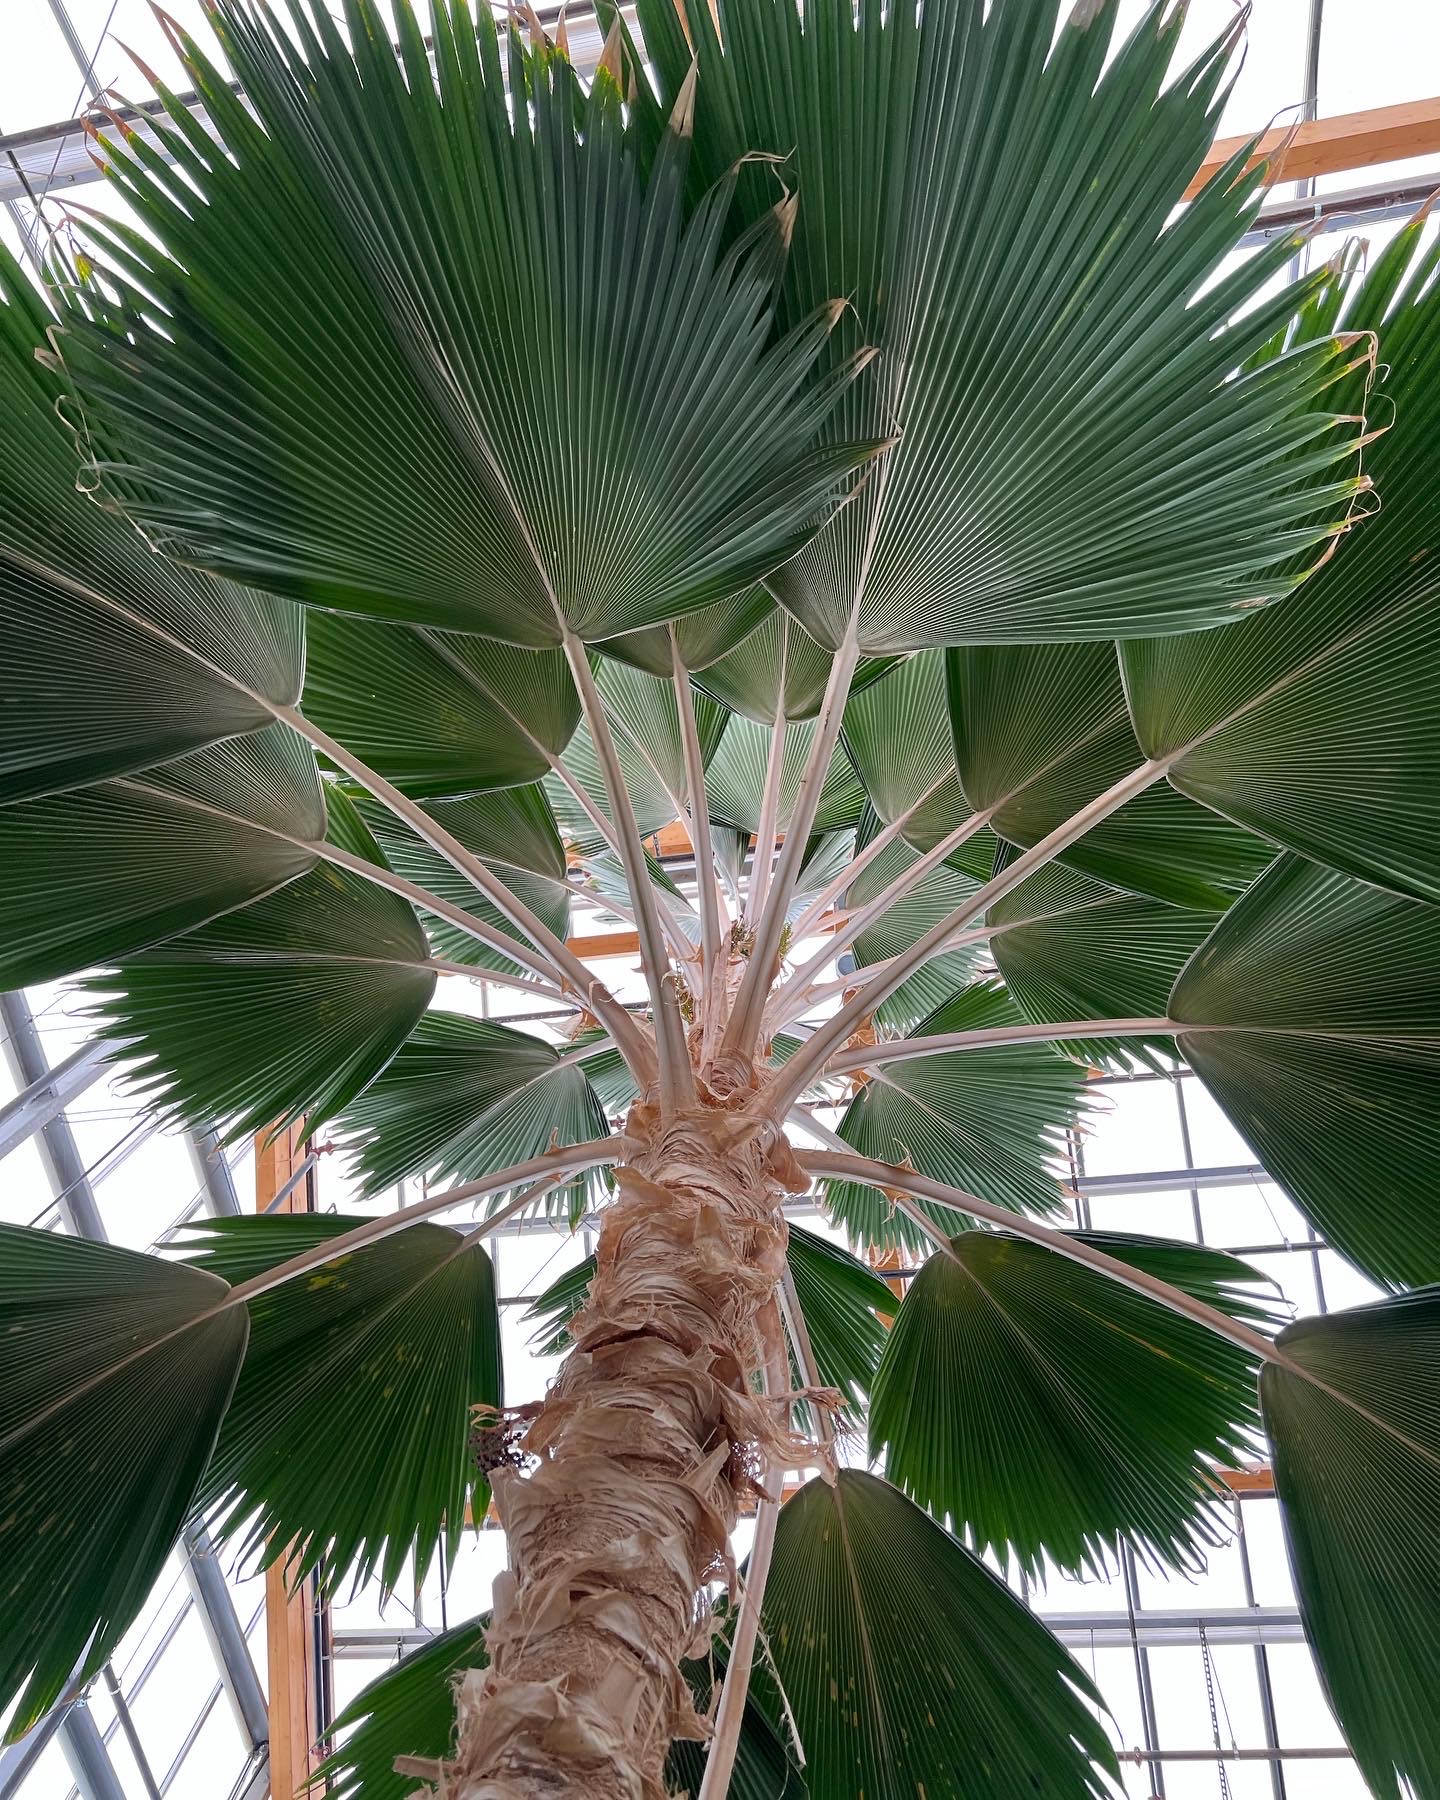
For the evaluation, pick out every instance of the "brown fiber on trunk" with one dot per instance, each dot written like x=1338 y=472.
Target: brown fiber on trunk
x=648 y=1441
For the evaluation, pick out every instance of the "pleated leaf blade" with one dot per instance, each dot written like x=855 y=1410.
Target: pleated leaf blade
x=991 y=1121
x=1354 y=1421
x=347 y=1440
x=115 y=1372
x=1045 y=1408
x=909 y=1667
x=1312 y=1012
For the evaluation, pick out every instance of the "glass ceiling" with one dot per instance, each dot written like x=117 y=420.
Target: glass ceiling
x=1191 y=1668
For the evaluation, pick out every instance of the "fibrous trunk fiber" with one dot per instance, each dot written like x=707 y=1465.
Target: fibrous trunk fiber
x=648 y=1440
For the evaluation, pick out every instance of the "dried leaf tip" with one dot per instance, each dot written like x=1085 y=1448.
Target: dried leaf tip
x=174 y=31
x=611 y=61
x=784 y=212
x=562 y=33
x=141 y=64
x=682 y=114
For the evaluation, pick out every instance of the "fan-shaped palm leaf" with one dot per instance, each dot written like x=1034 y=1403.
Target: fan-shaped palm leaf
x=115 y=1372
x=97 y=873
x=735 y=779
x=464 y=1098
x=290 y=1005
x=1045 y=1408
x=1311 y=1012
x=701 y=636
x=1054 y=479
x=910 y=1668
x=437 y=713
x=1317 y=725
x=347 y=1439
x=513 y=833
x=991 y=1121
x=934 y=897
x=1353 y=1415
x=155 y=659
x=1071 y=948
x=645 y=724
x=1039 y=732
x=898 y=736
x=778 y=666
x=442 y=259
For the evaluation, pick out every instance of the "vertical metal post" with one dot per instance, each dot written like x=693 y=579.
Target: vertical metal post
x=56 y=1142
x=1142 y=1675
x=1197 y=1218
x=84 y=1750
x=212 y=1171
x=1262 y=1662
x=226 y=1637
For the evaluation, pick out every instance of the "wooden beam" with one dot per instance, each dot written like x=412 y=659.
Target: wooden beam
x=1355 y=140
x=1257 y=1480
x=605 y=943
x=293 y=1688
x=627 y=943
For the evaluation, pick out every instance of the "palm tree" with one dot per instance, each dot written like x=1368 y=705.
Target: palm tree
x=822 y=428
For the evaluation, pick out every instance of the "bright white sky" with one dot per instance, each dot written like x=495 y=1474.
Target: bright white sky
x=1375 y=52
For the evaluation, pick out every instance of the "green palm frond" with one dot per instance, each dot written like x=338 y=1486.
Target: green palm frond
x=460 y=500
x=123 y=658
x=735 y=778
x=1316 y=724
x=98 y=873
x=115 y=1372
x=1354 y=1420
x=1071 y=948
x=347 y=1440
x=290 y=1005
x=1075 y=459
x=909 y=1667
x=779 y=665
x=437 y=713
x=898 y=735
x=513 y=832
x=1045 y=1409
x=645 y=723
x=1314 y=1018
x=464 y=1098
x=1039 y=732
x=702 y=636
x=934 y=897
x=990 y=1121
x=843 y=1303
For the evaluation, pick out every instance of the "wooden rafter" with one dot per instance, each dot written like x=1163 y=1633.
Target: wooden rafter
x=1355 y=140
x=293 y=1688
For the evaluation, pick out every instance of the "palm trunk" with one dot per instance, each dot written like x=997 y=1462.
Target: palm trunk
x=650 y=1438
